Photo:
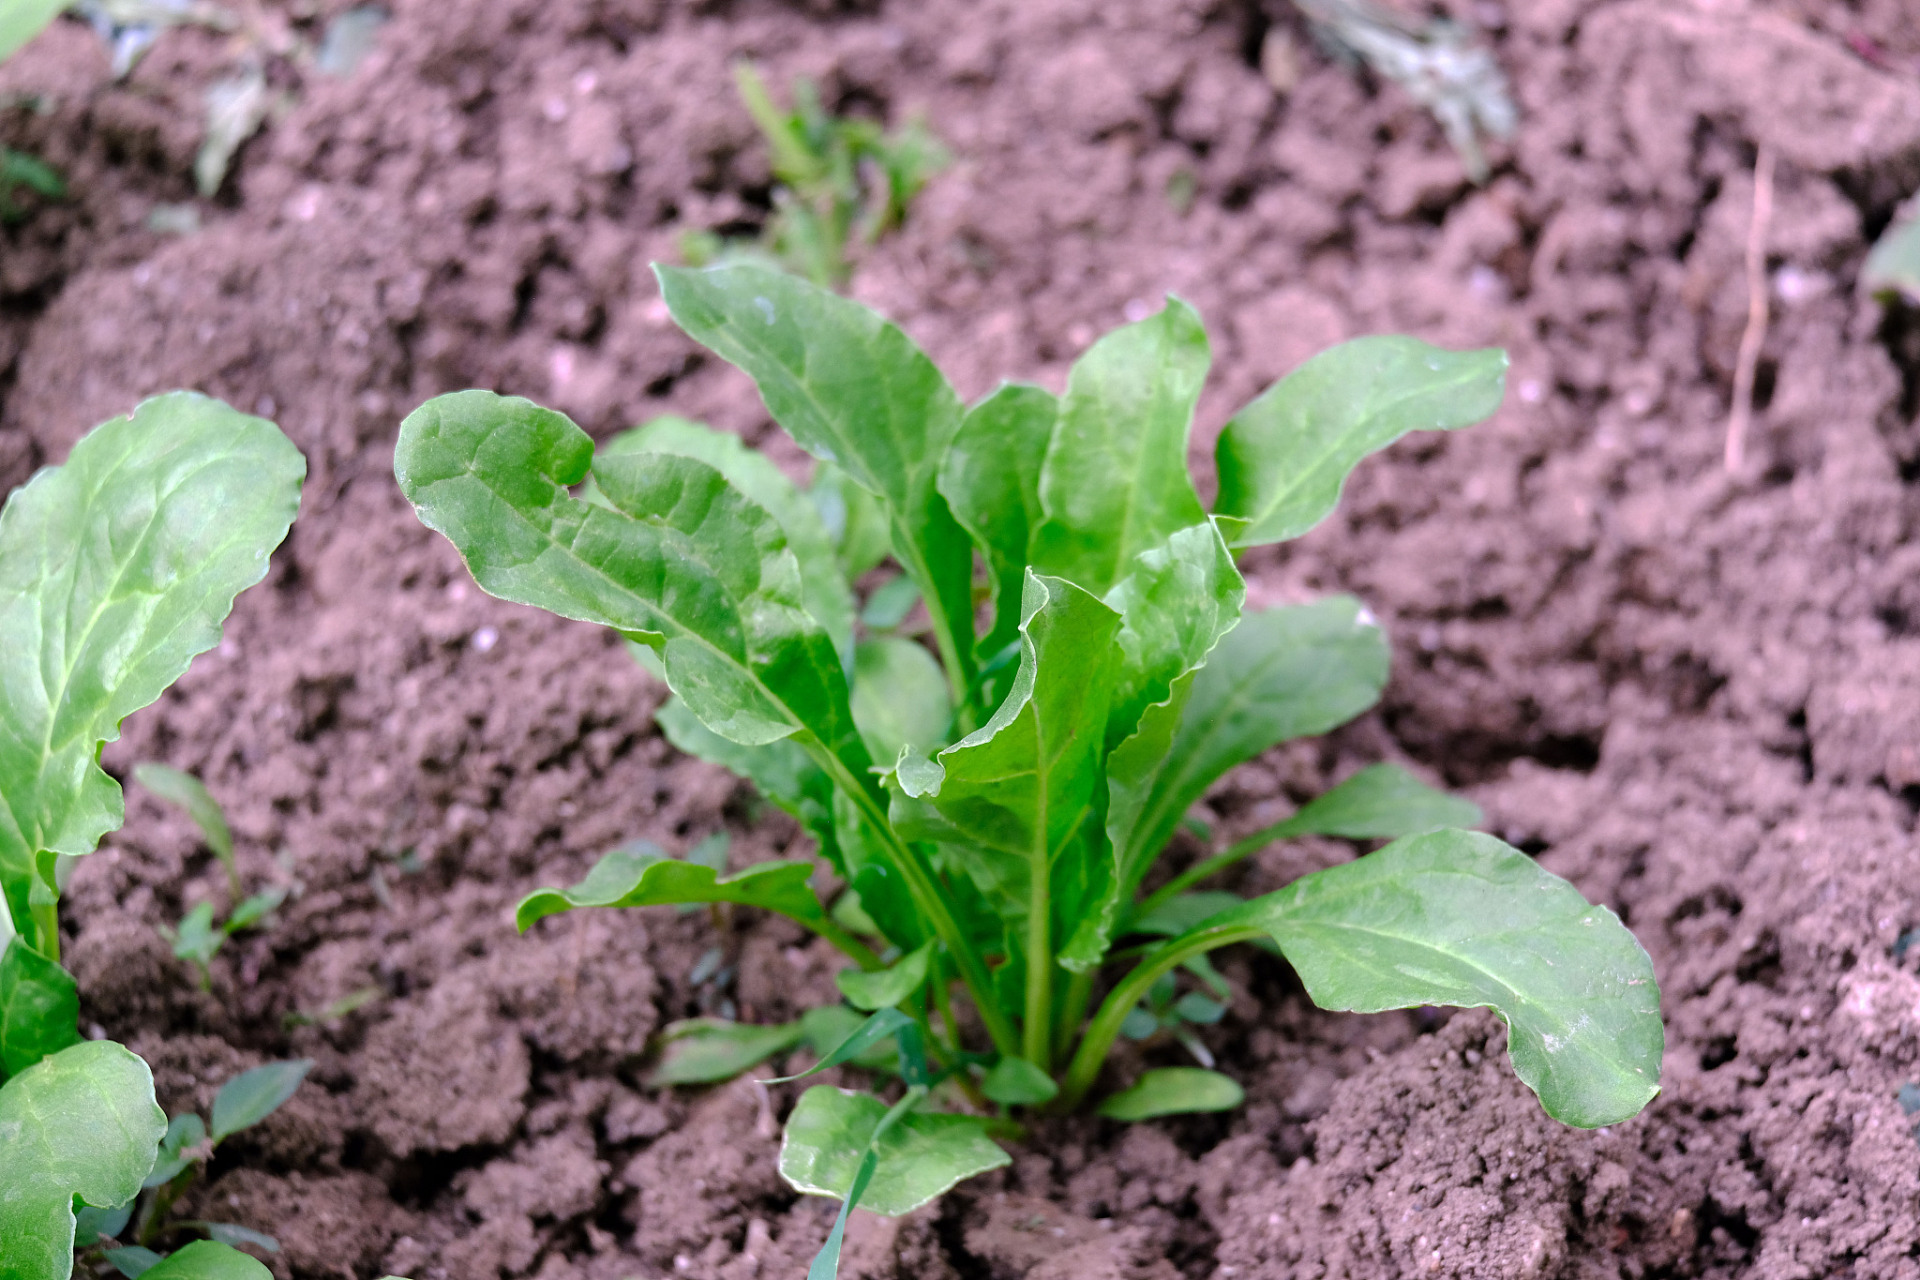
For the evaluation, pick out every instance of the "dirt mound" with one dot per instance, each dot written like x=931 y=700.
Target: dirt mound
x=1695 y=696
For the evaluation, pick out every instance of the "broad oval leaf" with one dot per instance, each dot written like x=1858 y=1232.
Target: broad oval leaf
x=920 y=1157
x=84 y=1124
x=39 y=1008
x=1381 y=802
x=1018 y=1083
x=252 y=1096
x=1115 y=480
x=1172 y=1091
x=1284 y=458
x=207 y=1260
x=709 y=1050
x=991 y=479
x=899 y=697
x=855 y=391
x=822 y=585
x=888 y=986
x=684 y=562
x=1460 y=918
x=116 y=569
x=642 y=876
x=1283 y=673
x=181 y=788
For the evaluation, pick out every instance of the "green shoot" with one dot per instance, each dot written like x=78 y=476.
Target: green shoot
x=198 y=938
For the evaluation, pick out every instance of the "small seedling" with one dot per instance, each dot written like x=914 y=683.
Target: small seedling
x=994 y=791
x=198 y=938
x=843 y=183
x=116 y=569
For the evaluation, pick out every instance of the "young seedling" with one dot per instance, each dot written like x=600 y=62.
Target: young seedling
x=843 y=183
x=995 y=800
x=116 y=569
x=198 y=938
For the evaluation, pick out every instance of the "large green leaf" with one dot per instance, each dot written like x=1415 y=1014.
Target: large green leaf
x=640 y=876
x=1459 y=918
x=853 y=390
x=207 y=1260
x=83 y=1124
x=115 y=570
x=1284 y=458
x=991 y=479
x=39 y=1008
x=1115 y=480
x=920 y=1157
x=1283 y=673
x=1175 y=603
x=22 y=20
x=822 y=586
x=1381 y=802
x=683 y=562
x=899 y=697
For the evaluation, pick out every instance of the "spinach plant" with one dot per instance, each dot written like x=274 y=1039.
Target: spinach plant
x=841 y=183
x=995 y=783
x=116 y=569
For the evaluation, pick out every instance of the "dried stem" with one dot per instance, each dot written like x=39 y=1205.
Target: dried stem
x=1756 y=334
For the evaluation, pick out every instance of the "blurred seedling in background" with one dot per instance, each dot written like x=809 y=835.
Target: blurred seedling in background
x=994 y=759
x=1440 y=63
x=842 y=183
x=198 y=938
x=1892 y=269
x=185 y=1151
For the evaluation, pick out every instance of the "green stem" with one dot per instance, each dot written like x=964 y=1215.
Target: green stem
x=1105 y=1027
x=1237 y=851
x=958 y=664
x=943 y=1002
x=927 y=895
x=1038 y=1031
x=43 y=906
x=1073 y=1012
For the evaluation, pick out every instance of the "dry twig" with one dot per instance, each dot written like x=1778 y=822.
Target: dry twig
x=1756 y=333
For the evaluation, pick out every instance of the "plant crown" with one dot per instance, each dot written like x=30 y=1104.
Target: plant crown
x=992 y=772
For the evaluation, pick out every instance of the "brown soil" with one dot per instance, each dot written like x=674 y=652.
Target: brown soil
x=1698 y=697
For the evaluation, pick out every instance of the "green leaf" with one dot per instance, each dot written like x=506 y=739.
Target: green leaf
x=252 y=1096
x=1175 y=604
x=890 y=604
x=116 y=569
x=685 y=563
x=187 y=791
x=823 y=588
x=1018 y=1083
x=235 y=1235
x=709 y=1050
x=853 y=390
x=1893 y=265
x=1284 y=458
x=208 y=1260
x=889 y=986
x=133 y=1261
x=1459 y=918
x=899 y=697
x=1282 y=673
x=991 y=479
x=1183 y=911
x=1172 y=1091
x=1381 y=802
x=781 y=771
x=641 y=876
x=854 y=521
x=183 y=1143
x=92 y=1225
x=196 y=939
x=39 y=1008
x=252 y=910
x=1022 y=782
x=22 y=20
x=83 y=1124
x=881 y=1025
x=1115 y=480
x=830 y=1026
x=920 y=1157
